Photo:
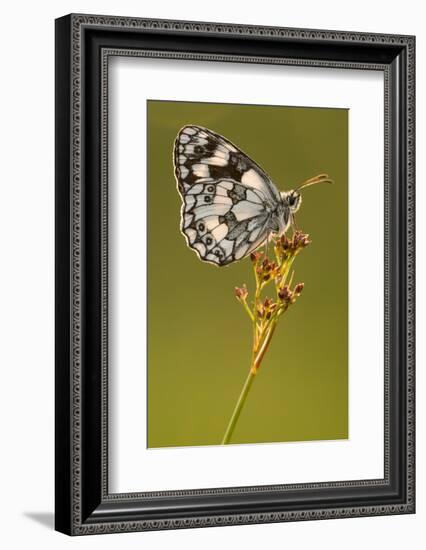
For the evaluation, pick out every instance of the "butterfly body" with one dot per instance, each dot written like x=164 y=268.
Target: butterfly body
x=230 y=206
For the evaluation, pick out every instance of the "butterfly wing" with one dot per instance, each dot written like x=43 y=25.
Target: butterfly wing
x=228 y=199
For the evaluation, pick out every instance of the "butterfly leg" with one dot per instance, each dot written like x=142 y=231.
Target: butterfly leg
x=267 y=245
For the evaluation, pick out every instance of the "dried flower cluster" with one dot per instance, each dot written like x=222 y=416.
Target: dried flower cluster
x=265 y=312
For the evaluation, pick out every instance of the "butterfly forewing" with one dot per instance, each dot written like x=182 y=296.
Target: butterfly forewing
x=227 y=198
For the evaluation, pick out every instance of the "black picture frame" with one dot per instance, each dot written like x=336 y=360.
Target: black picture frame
x=83 y=45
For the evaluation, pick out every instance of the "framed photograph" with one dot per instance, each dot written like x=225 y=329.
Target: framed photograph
x=234 y=274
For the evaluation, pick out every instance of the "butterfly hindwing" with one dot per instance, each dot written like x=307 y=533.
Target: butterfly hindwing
x=220 y=227
x=223 y=218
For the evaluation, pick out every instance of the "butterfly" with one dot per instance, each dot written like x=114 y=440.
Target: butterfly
x=230 y=206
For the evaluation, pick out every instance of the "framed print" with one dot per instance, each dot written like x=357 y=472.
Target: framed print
x=234 y=274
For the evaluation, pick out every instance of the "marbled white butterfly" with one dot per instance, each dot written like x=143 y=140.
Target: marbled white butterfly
x=230 y=205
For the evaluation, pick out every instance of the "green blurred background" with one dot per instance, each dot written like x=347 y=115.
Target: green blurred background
x=199 y=337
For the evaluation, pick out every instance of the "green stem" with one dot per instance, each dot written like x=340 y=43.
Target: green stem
x=246 y=307
x=263 y=348
x=238 y=407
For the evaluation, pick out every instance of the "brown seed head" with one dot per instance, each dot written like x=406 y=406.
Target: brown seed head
x=297 y=238
x=255 y=256
x=285 y=293
x=241 y=293
x=298 y=288
x=267 y=302
x=300 y=240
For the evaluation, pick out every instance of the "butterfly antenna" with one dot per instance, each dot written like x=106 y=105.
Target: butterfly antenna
x=321 y=178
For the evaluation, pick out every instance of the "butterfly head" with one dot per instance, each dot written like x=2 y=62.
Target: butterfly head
x=292 y=199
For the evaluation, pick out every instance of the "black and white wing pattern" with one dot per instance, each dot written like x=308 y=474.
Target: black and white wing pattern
x=228 y=200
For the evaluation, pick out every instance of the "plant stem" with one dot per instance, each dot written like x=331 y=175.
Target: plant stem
x=264 y=347
x=265 y=314
x=257 y=359
x=246 y=307
x=238 y=407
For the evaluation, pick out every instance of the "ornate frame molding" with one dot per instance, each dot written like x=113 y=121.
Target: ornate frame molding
x=86 y=507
